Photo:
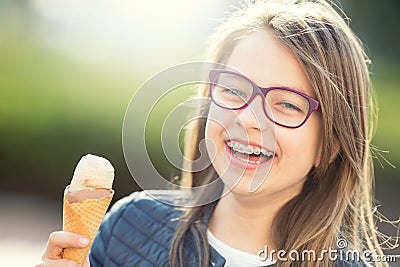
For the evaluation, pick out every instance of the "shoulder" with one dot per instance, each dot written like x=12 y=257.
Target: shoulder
x=347 y=258
x=150 y=201
x=148 y=208
x=343 y=263
x=138 y=228
x=172 y=198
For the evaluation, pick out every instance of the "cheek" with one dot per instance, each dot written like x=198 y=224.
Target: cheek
x=300 y=148
x=213 y=130
x=317 y=139
x=218 y=121
x=215 y=127
x=212 y=125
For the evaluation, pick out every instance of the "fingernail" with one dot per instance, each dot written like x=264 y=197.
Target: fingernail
x=83 y=241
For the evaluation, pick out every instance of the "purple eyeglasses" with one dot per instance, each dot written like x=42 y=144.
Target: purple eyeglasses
x=283 y=106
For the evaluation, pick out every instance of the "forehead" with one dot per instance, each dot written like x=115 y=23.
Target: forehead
x=268 y=62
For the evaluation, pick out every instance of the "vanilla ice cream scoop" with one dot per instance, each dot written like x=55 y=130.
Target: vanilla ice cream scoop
x=92 y=172
x=86 y=201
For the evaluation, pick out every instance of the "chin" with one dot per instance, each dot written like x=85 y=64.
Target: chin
x=246 y=186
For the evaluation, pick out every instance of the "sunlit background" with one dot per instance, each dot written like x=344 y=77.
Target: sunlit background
x=68 y=69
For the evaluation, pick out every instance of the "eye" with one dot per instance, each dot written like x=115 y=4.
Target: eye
x=236 y=92
x=290 y=106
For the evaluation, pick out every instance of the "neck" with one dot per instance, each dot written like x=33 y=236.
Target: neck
x=244 y=222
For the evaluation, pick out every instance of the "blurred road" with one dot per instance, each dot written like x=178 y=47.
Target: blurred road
x=25 y=224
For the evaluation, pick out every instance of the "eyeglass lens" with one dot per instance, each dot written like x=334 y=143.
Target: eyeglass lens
x=282 y=106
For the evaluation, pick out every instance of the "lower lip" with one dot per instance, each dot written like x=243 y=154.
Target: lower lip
x=243 y=164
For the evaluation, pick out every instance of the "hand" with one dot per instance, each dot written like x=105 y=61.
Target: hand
x=53 y=255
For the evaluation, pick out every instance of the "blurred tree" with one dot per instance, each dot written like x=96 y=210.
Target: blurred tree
x=376 y=23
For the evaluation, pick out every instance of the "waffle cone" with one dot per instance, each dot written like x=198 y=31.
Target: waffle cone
x=84 y=218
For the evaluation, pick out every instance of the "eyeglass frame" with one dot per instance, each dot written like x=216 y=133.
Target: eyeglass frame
x=313 y=105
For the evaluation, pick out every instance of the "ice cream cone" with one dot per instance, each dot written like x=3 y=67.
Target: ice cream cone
x=84 y=217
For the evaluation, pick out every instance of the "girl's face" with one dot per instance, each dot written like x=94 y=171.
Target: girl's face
x=267 y=62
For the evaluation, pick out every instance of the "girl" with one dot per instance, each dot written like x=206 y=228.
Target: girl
x=291 y=113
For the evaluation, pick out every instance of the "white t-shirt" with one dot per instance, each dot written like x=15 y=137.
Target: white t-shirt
x=235 y=257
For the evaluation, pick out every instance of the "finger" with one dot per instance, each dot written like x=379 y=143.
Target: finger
x=58 y=263
x=60 y=240
x=87 y=263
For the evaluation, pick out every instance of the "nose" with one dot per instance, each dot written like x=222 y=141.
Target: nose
x=253 y=116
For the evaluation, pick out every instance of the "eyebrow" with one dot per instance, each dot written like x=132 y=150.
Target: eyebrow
x=280 y=85
x=298 y=89
x=295 y=88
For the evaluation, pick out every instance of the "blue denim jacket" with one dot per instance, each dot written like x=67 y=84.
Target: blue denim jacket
x=139 y=229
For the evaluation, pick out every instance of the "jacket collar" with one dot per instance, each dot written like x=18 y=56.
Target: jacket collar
x=216 y=260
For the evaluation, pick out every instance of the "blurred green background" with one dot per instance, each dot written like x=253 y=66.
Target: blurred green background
x=69 y=68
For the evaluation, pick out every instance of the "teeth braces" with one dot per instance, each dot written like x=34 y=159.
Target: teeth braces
x=249 y=149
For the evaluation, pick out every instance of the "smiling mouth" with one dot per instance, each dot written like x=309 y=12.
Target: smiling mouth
x=249 y=153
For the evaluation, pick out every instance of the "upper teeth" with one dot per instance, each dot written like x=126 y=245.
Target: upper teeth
x=248 y=149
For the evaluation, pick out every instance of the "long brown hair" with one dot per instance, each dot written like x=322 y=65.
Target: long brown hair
x=336 y=199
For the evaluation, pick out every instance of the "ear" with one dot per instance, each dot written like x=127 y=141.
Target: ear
x=335 y=151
